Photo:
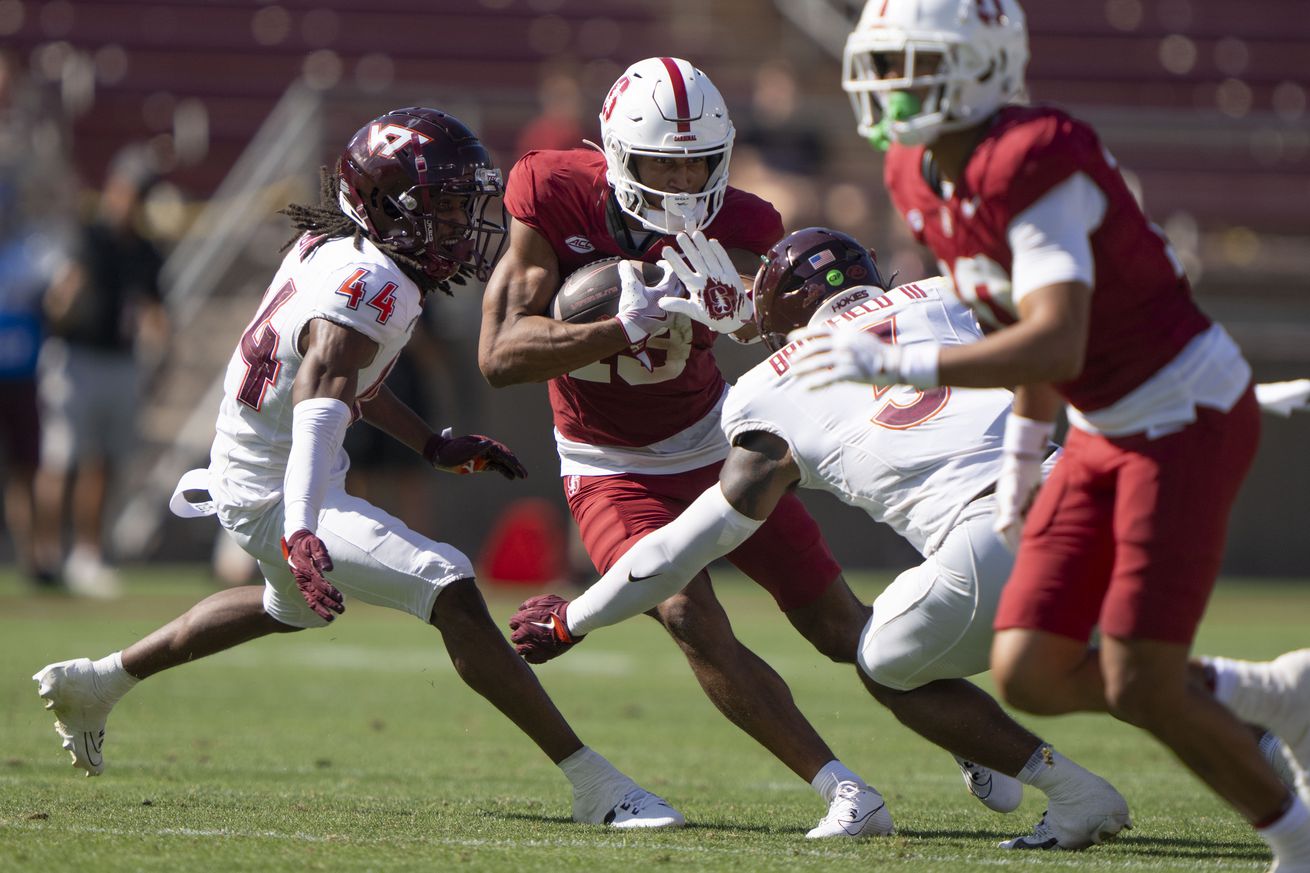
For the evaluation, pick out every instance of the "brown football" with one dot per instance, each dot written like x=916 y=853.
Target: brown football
x=591 y=293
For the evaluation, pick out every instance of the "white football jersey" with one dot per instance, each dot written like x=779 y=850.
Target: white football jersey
x=912 y=459
x=357 y=287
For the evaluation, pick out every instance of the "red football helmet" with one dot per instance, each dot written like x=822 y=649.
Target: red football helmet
x=802 y=270
x=395 y=170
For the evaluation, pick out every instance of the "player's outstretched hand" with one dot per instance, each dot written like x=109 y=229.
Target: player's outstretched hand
x=540 y=629
x=471 y=453
x=639 y=312
x=825 y=356
x=717 y=297
x=1283 y=398
x=309 y=560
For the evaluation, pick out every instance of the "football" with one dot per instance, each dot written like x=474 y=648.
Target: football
x=591 y=293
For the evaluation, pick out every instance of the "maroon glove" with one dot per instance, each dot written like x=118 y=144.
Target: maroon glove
x=309 y=560
x=471 y=454
x=541 y=629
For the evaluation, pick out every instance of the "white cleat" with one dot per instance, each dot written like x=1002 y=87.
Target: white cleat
x=627 y=806
x=1274 y=751
x=1289 y=718
x=1096 y=813
x=856 y=811
x=996 y=791
x=68 y=688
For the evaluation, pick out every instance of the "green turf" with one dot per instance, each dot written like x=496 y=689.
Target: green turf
x=357 y=748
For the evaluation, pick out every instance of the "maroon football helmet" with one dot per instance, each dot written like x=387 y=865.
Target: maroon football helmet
x=800 y=272
x=396 y=169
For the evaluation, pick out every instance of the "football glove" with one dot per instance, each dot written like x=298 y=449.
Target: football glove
x=717 y=297
x=827 y=355
x=639 y=312
x=1023 y=449
x=540 y=629
x=472 y=453
x=309 y=560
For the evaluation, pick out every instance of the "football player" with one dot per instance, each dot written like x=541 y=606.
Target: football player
x=1027 y=212
x=923 y=462
x=404 y=215
x=636 y=398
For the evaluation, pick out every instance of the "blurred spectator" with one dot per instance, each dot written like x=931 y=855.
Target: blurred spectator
x=33 y=170
x=103 y=307
x=559 y=125
x=779 y=150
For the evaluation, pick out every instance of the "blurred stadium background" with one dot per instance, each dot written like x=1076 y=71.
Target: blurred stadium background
x=1204 y=102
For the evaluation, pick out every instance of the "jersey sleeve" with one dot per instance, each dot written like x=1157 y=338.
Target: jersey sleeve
x=1051 y=240
x=1034 y=157
x=521 y=199
x=756 y=404
x=373 y=299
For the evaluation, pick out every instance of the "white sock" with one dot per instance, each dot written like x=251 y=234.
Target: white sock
x=111 y=680
x=586 y=769
x=1048 y=771
x=1249 y=689
x=1289 y=837
x=830 y=776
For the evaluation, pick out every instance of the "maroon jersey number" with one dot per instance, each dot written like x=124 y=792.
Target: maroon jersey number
x=259 y=351
x=903 y=416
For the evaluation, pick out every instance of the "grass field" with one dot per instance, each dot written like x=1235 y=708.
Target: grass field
x=357 y=748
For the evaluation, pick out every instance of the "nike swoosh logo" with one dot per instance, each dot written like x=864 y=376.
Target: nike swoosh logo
x=95 y=741
x=853 y=827
x=632 y=578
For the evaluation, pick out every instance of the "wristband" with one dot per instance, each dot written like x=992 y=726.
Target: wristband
x=918 y=365
x=1026 y=437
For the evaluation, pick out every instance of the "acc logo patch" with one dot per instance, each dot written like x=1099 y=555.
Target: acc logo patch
x=580 y=244
x=856 y=272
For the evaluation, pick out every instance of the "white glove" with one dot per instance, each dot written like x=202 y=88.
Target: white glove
x=1283 y=398
x=717 y=297
x=1024 y=447
x=827 y=355
x=639 y=312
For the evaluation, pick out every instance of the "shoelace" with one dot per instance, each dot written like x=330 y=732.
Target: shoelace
x=635 y=801
x=843 y=802
x=1041 y=834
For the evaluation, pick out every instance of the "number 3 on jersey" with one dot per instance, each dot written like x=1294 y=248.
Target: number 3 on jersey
x=923 y=405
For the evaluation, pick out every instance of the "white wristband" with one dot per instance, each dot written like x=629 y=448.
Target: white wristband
x=318 y=426
x=1027 y=436
x=918 y=365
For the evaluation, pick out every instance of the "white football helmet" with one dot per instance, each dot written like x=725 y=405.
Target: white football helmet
x=665 y=107
x=964 y=59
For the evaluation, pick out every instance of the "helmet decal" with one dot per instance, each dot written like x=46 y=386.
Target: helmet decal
x=385 y=140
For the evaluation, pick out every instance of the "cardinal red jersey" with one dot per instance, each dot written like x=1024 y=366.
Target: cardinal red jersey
x=1142 y=312
x=563 y=196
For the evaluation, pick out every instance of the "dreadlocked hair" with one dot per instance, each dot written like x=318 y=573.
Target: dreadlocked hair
x=326 y=221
